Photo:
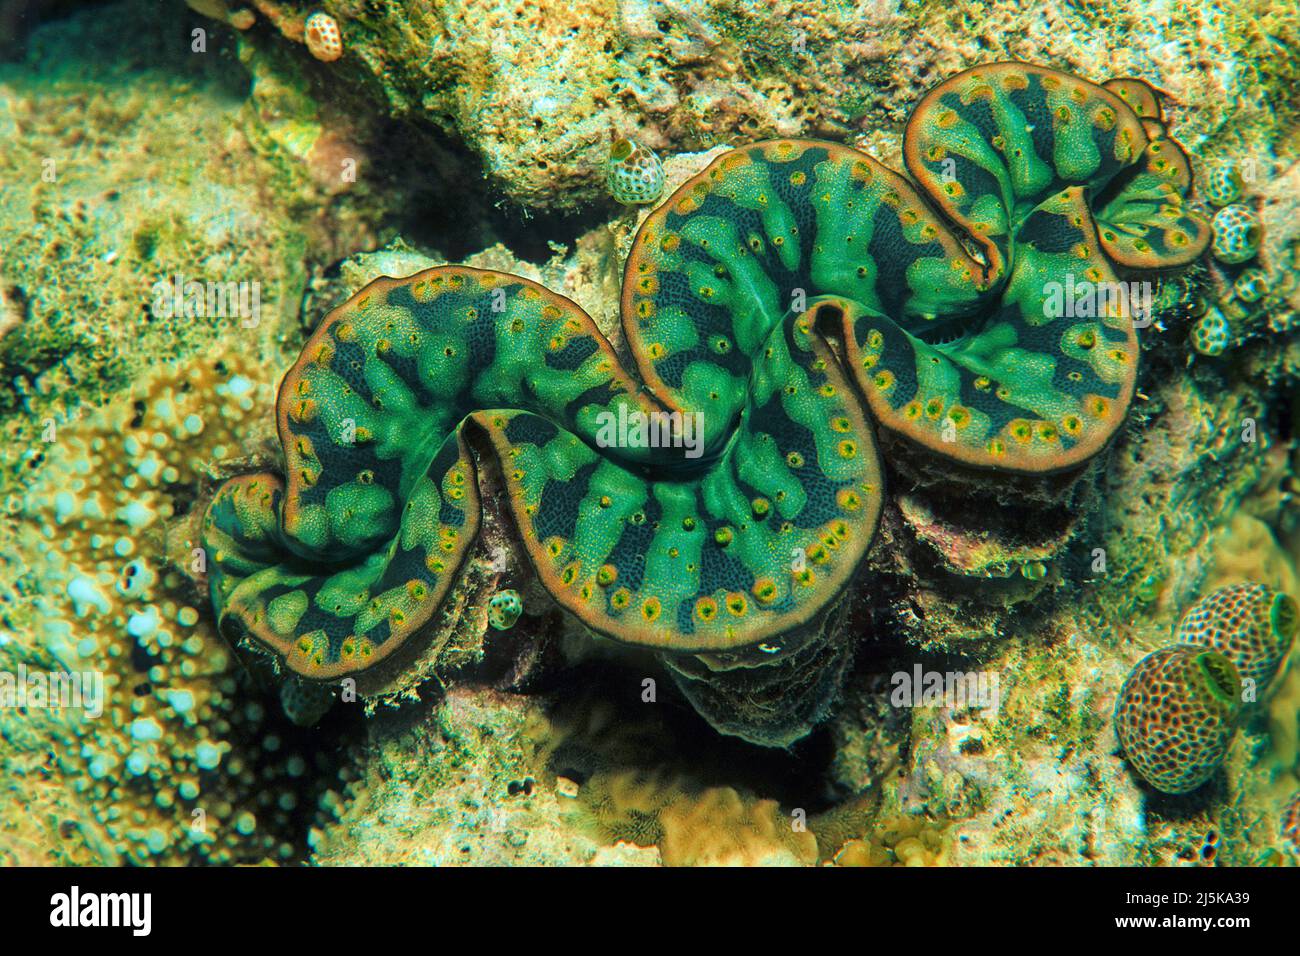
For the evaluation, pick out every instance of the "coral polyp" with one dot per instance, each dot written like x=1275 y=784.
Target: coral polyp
x=712 y=503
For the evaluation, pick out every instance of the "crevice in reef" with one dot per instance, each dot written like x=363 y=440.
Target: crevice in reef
x=326 y=755
x=460 y=214
x=680 y=739
x=100 y=51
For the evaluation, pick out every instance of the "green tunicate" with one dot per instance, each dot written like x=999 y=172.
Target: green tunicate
x=1176 y=715
x=1222 y=184
x=1237 y=234
x=1251 y=285
x=1252 y=625
x=1211 y=335
x=504 y=609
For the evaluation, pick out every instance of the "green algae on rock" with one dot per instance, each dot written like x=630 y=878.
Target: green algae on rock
x=532 y=79
x=722 y=533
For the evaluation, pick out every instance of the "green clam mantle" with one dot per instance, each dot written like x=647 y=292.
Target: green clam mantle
x=789 y=299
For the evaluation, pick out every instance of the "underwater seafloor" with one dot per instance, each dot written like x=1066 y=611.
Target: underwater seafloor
x=1062 y=646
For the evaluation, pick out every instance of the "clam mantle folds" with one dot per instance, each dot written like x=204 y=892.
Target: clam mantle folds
x=792 y=298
